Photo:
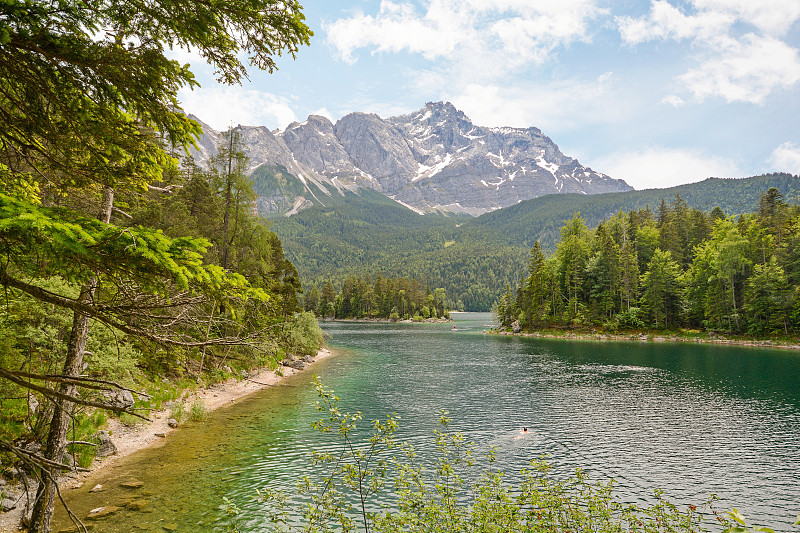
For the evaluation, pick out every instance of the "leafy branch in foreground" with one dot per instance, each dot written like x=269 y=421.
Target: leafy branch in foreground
x=451 y=492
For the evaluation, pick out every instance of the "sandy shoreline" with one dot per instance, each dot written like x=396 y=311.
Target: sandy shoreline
x=129 y=440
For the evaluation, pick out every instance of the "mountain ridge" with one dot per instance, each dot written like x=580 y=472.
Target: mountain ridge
x=434 y=159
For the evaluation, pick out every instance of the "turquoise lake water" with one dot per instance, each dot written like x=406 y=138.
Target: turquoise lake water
x=689 y=419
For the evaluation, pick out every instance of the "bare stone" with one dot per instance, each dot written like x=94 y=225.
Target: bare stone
x=8 y=504
x=171 y=422
x=102 y=512
x=106 y=447
x=296 y=364
x=98 y=488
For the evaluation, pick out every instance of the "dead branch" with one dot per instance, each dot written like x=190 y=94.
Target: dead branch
x=81 y=381
x=121 y=212
x=56 y=395
x=169 y=189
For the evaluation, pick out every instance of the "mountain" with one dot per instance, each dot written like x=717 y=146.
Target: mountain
x=474 y=258
x=432 y=160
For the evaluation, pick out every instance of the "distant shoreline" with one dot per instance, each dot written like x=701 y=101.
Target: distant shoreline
x=389 y=320
x=644 y=337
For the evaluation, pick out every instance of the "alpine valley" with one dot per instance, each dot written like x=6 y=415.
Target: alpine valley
x=430 y=195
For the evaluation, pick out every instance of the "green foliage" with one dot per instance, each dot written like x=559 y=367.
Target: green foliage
x=87 y=94
x=662 y=290
x=473 y=259
x=177 y=411
x=452 y=491
x=197 y=412
x=742 y=526
x=386 y=297
x=678 y=267
x=629 y=319
x=303 y=335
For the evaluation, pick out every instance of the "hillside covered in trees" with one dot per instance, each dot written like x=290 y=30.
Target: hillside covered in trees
x=474 y=258
x=669 y=268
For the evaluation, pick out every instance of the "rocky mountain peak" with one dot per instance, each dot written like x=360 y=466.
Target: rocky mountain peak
x=432 y=159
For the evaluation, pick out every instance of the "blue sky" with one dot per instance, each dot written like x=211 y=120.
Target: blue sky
x=657 y=93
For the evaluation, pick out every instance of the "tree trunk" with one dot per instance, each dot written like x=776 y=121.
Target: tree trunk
x=227 y=214
x=733 y=300
x=62 y=411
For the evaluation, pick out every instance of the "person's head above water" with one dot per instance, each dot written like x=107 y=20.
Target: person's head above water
x=525 y=430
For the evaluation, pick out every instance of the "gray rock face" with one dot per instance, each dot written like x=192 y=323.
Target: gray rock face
x=378 y=148
x=106 y=447
x=8 y=504
x=293 y=363
x=432 y=159
x=314 y=143
x=121 y=398
x=470 y=168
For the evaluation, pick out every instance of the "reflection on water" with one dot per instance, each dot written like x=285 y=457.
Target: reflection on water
x=686 y=418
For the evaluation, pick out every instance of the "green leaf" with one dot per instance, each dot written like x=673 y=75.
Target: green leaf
x=734 y=513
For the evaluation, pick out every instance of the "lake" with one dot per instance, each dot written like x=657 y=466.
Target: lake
x=687 y=418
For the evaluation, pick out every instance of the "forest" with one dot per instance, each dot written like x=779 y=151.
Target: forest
x=127 y=274
x=473 y=258
x=390 y=298
x=677 y=267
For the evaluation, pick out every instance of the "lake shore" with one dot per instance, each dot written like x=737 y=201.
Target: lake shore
x=644 y=337
x=389 y=320
x=131 y=439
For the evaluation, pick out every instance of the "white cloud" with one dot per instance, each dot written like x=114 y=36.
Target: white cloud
x=786 y=158
x=660 y=167
x=667 y=22
x=741 y=56
x=222 y=107
x=744 y=70
x=554 y=107
x=773 y=17
x=515 y=32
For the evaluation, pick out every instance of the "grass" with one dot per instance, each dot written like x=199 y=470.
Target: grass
x=177 y=411
x=197 y=412
x=83 y=428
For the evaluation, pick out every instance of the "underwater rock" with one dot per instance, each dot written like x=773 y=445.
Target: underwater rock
x=136 y=505
x=101 y=512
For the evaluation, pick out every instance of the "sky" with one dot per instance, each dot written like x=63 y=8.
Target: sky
x=657 y=93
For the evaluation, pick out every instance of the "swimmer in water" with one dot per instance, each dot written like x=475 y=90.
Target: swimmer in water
x=524 y=430
x=522 y=433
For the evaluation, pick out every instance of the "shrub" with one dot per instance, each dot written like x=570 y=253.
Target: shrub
x=629 y=319
x=303 y=335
